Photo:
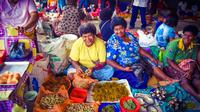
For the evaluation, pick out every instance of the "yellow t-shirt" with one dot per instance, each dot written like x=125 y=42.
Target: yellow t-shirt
x=85 y=55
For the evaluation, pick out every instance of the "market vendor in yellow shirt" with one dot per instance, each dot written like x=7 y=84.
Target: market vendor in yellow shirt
x=88 y=52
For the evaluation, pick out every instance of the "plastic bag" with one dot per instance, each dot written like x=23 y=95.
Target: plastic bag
x=58 y=51
x=185 y=64
x=146 y=40
x=40 y=70
x=18 y=51
x=82 y=81
x=63 y=91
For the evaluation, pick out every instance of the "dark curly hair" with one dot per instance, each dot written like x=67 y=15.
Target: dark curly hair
x=87 y=28
x=172 y=21
x=118 y=21
x=191 y=28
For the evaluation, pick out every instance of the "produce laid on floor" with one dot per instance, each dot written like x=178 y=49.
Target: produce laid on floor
x=9 y=77
x=48 y=101
x=108 y=108
x=109 y=91
x=148 y=103
x=53 y=94
x=80 y=107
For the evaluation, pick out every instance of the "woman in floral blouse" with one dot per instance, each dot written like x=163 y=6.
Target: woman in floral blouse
x=124 y=54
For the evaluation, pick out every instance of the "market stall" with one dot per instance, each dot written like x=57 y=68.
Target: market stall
x=17 y=56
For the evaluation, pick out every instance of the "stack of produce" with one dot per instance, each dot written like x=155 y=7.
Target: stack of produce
x=53 y=95
x=109 y=91
x=48 y=101
x=9 y=78
x=108 y=108
x=147 y=102
x=81 y=107
x=159 y=93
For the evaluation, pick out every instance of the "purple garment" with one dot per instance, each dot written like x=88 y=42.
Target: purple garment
x=6 y=106
x=17 y=15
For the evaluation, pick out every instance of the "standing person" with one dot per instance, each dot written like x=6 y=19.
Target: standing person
x=70 y=21
x=20 y=14
x=105 y=16
x=139 y=5
x=112 y=4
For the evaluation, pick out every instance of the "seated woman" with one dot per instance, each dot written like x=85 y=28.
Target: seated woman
x=70 y=20
x=166 y=32
x=180 y=61
x=123 y=53
x=104 y=26
x=90 y=52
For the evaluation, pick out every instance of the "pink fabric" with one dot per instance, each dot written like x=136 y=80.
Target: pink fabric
x=185 y=64
x=17 y=15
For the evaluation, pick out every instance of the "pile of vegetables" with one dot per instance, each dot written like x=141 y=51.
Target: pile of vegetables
x=109 y=91
x=48 y=101
x=129 y=104
x=80 y=107
x=108 y=108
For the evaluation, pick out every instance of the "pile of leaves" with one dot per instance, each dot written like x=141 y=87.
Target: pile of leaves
x=109 y=91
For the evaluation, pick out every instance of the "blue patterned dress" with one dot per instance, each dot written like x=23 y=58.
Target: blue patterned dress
x=126 y=54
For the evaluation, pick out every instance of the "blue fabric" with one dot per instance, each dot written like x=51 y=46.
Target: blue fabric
x=106 y=31
x=125 y=54
x=163 y=34
x=123 y=5
x=83 y=2
x=133 y=81
x=158 y=23
x=103 y=74
x=173 y=90
x=61 y=4
x=135 y=10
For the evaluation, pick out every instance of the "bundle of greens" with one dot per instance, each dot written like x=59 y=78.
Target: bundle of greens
x=129 y=105
x=108 y=108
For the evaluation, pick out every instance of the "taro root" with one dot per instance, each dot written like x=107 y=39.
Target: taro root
x=109 y=91
x=48 y=101
x=79 y=107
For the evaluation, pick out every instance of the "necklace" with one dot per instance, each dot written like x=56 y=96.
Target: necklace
x=94 y=62
x=126 y=39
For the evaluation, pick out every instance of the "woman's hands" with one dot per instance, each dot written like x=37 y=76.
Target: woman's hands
x=127 y=69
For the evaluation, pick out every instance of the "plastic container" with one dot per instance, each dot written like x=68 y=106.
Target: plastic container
x=78 y=95
x=114 y=105
x=137 y=104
